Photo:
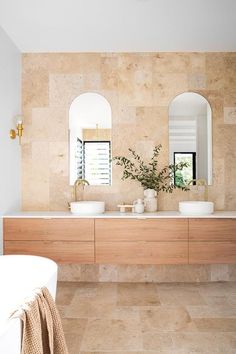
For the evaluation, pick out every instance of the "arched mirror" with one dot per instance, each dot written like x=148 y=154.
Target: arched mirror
x=190 y=137
x=90 y=139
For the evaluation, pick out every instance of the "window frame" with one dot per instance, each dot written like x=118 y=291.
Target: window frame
x=110 y=166
x=194 y=157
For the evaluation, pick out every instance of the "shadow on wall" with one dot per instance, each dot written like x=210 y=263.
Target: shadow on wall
x=10 y=93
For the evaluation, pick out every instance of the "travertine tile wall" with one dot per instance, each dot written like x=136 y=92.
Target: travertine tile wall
x=139 y=87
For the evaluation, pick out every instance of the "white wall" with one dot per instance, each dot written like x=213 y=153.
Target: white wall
x=10 y=105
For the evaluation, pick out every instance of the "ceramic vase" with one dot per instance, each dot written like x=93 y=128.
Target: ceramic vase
x=150 y=200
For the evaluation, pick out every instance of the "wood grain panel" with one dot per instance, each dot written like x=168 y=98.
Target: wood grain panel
x=61 y=252
x=142 y=252
x=49 y=229
x=141 y=230
x=212 y=252
x=212 y=229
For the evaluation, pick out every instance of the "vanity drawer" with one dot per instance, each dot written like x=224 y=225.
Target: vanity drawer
x=141 y=230
x=142 y=252
x=49 y=229
x=212 y=252
x=212 y=229
x=61 y=252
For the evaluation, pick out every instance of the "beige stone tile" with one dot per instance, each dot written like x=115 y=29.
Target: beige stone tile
x=100 y=304
x=65 y=293
x=64 y=88
x=109 y=73
x=230 y=115
x=230 y=199
x=232 y=299
x=58 y=154
x=229 y=136
x=180 y=296
x=155 y=340
x=215 y=289
x=89 y=272
x=166 y=318
x=232 y=272
x=196 y=81
x=50 y=124
x=230 y=171
x=110 y=334
x=183 y=273
x=163 y=92
x=74 y=326
x=215 y=71
x=108 y=273
x=35 y=91
x=216 y=300
x=152 y=125
x=59 y=194
x=136 y=273
x=197 y=62
x=173 y=62
x=215 y=324
x=204 y=342
x=62 y=310
x=137 y=295
x=135 y=80
x=69 y=272
x=78 y=272
x=218 y=172
x=219 y=272
x=74 y=330
x=230 y=288
x=212 y=311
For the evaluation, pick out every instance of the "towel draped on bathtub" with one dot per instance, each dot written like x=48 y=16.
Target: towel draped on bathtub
x=42 y=331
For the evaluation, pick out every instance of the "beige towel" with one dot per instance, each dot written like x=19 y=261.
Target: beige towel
x=42 y=329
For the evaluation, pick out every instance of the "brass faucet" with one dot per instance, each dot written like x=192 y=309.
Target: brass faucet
x=77 y=183
x=201 y=182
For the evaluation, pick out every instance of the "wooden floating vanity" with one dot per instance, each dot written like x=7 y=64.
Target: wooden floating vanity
x=166 y=238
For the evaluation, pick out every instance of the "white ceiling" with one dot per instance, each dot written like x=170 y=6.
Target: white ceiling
x=120 y=25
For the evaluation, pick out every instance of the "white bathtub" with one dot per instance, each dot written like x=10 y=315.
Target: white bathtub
x=19 y=276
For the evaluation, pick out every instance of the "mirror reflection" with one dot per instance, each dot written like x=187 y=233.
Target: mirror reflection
x=190 y=137
x=90 y=139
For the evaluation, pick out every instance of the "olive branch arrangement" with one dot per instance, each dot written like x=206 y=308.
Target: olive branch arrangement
x=148 y=174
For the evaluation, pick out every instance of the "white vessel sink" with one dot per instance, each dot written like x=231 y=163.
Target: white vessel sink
x=87 y=207
x=196 y=208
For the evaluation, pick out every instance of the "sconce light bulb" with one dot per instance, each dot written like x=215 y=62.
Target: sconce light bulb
x=18 y=119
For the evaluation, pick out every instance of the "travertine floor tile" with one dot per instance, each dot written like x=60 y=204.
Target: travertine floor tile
x=181 y=296
x=215 y=324
x=110 y=318
x=74 y=330
x=107 y=334
x=95 y=302
x=166 y=318
x=204 y=342
x=137 y=295
x=154 y=340
x=65 y=293
x=212 y=311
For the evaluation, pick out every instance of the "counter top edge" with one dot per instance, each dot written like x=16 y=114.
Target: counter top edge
x=115 y=214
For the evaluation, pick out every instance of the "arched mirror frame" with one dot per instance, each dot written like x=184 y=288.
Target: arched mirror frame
x=74 y=127
x=209 y=133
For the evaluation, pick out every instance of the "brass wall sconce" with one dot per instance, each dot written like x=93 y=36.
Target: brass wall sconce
x=19 y=128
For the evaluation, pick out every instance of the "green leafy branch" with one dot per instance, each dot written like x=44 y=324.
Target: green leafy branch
x=148 y=174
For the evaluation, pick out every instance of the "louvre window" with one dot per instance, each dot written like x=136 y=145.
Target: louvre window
x=96 y=162
x=79 y=158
